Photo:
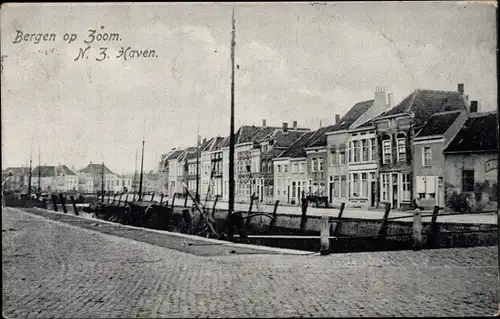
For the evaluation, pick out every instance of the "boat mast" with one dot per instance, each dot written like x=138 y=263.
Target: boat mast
x=39 y=169
x=134 y=183
x=142 y=165
x=197 y=196
x=102 y=181
x=231 y=137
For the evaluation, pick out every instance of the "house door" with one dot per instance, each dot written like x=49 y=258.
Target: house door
x=373 y=192
x=297 y=198
x=331 y=192
x=395 y=193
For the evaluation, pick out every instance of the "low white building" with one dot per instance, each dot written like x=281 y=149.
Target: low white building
x=54 y=179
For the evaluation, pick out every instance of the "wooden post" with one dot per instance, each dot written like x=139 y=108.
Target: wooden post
x=432 y=235
x=186 y=201
x=383 y=228
x=325 y=235
x=109 y=198
x=249 y=211
x=187 y=220
x=417 y=231
x=126 y=200
x=153 y=197
x=62 y=199
x=119 y=200
x=73 y=202
x=133 y=196
x=161 y=199
x=172 y=206
x=338 y=222
x=54 y=201
x=215 y=203
x=272 y=224
x=303 y=221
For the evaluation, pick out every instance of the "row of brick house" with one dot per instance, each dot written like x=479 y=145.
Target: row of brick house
x=60 y=178
x=433 y=147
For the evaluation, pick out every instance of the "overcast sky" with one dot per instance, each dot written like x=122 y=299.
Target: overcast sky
x=297 y=61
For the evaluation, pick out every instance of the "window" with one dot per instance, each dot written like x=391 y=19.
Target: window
x=355 y=185
x=302 y=167
x=427 y=156
x=336 y=186
x=373 y=149
x=293 y=189
x=342 y=157
x=385 y=187
x=401 y=147
x=467 y=180
x=356 y=150
x=294 y=168
x=364 y=184
x=285 y=168
x=406 y=187
x=279 y=170
x=313 y=164
x=386 y=145
x=320 y=163
x=364 y=147
x=334 y=158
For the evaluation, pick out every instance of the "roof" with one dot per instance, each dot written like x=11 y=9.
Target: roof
x=18 y=170
x=187 y=154
x=479 y=133
x=297 y=149
x=174 y=155
x=282 y=139
x=352 y=115
x=439 y=123
x=49 y=171
x=95 y=169
x=319 y=137
x=424 y=103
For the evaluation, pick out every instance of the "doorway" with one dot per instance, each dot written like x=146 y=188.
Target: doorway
x=331 y=193
x=395 y=190
x=373 y=194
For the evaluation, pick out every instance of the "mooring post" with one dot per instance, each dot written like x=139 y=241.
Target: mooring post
x=54 y=201
x=153 y=197
x=338 y=222
x=432 y=236
x=186 y=201
x=73 y=202
x=303 y=220
x=247 y=222
x=187 y=220
x=417 y=231
x=109 y=198
x=161 y=199
x=215 y=204
x=383 y=228
x=126 y=200
x=325 y=235
x=119 y=200
x=272 y=224
x=62 y=199
x=172 y=205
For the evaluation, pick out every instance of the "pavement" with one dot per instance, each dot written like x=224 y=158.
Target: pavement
x=371 y=214
x=59 y=267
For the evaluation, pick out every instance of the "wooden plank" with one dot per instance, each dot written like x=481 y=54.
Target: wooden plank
x=339 y=218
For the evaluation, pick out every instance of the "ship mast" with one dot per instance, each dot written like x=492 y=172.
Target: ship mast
x=197 y=196
x=141 y=176
x=231 y=139
x=39 y=169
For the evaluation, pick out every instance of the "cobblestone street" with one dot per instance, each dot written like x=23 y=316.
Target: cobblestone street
x=54 y=269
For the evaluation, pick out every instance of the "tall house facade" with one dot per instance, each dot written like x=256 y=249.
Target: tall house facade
x=92 y=174
x=316 y=161
x=296 y=177
x=395 y=133
x=429 y=163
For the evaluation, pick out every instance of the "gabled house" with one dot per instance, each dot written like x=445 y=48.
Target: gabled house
x=396 y=129
x=265 y=151
x=294 y=177
x=428 y=162
x=352 y=165
x=54 y=179
x=171 y=166
x=19 y=180
x=90 y=178
x=470 y=169
x=211 y=168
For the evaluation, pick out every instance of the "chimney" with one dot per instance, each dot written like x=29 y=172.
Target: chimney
x=474 y=108
x=294 y=125
x=389 y=99
x=461 y=88
x=337 y=118
x=264 y=123
x=380 y=94
x=285 y=127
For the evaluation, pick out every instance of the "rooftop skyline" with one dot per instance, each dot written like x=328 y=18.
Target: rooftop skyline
x=296 y=62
